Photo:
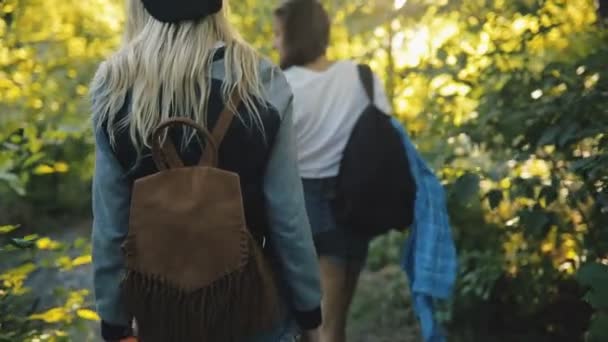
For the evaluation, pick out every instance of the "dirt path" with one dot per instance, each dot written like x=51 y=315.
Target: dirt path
x=381 y=310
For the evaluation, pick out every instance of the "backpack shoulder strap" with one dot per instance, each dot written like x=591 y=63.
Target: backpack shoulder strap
x=367 y=80
x=222 y=125
x=225 y=119
x=167 y=157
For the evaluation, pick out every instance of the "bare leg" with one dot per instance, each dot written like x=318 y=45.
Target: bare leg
x=339 y=283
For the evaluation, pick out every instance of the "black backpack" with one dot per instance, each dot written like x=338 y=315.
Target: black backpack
x=375 y=188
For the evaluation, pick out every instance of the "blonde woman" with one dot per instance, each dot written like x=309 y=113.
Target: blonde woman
x=181 y=58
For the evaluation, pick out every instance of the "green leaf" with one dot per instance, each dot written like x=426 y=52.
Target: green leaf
x=595 y=277
x=598 y=330
x=466 y=188
x=81 y=242
x=495 y=197
x=549 y=136
x=21 y=243
x=522 y=188
x=13 y=182
x=549 y=193
x=534 y=222
x=34 y=158
x=27 y=242
x=568 y=134
x=442 y=54
x=583 y=164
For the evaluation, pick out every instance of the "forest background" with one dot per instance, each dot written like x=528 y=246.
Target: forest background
x=507 y=100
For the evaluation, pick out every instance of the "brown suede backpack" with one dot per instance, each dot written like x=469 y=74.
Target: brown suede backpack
x=194 y=271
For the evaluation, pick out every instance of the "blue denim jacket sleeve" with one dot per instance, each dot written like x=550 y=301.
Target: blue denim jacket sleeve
x=111 y=200
x=290 y=233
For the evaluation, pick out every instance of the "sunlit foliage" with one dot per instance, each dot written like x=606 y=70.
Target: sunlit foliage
x=506 y=99
x=21 y=318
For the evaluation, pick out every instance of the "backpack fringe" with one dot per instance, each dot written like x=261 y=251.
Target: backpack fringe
x=233 y=307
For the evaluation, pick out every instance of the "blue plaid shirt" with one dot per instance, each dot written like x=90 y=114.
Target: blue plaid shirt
x=429 y=260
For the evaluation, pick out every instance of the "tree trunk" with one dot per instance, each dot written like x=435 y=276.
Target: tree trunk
x=602 y=9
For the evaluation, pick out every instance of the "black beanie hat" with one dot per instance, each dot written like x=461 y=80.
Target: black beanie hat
x=173 y=11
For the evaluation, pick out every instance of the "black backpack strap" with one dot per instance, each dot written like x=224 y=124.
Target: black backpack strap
x=367 y=79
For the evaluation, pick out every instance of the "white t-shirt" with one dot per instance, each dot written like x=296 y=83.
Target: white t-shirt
x=326 y=107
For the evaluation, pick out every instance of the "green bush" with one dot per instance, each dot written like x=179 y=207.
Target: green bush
x=506 y=99
x=21 y=317
x=594 y=278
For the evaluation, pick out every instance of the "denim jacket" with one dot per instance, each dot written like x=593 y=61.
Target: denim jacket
x=429 y=257
x=289 y=231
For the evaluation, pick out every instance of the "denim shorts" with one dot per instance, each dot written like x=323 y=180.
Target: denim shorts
x=331 y=238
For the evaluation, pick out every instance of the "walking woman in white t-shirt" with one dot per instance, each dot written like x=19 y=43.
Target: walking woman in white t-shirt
x=328 y=98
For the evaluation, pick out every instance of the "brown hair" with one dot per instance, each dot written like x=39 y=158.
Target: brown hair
x=306 y=27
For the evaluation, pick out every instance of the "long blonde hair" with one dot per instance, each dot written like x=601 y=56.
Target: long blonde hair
x=167 y=70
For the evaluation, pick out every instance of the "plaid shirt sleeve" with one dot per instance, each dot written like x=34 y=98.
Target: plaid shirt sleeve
x=430 y=259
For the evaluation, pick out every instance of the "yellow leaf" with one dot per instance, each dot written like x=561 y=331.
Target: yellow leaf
x=53 y=315
x=30 y=237
x=7 y=229
x=55 y=106
x=15 y=278
x=81 y=90
x=82 y=260
x=47 y=244
x=19 y=77
x=20 y=272
x=37 y=103
x=8 y=8
x=60 y=333
x=88 y=314
x=35 y=145
x=43 y=170
x=64 y=263
x=76 y=299
x=61 y=167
